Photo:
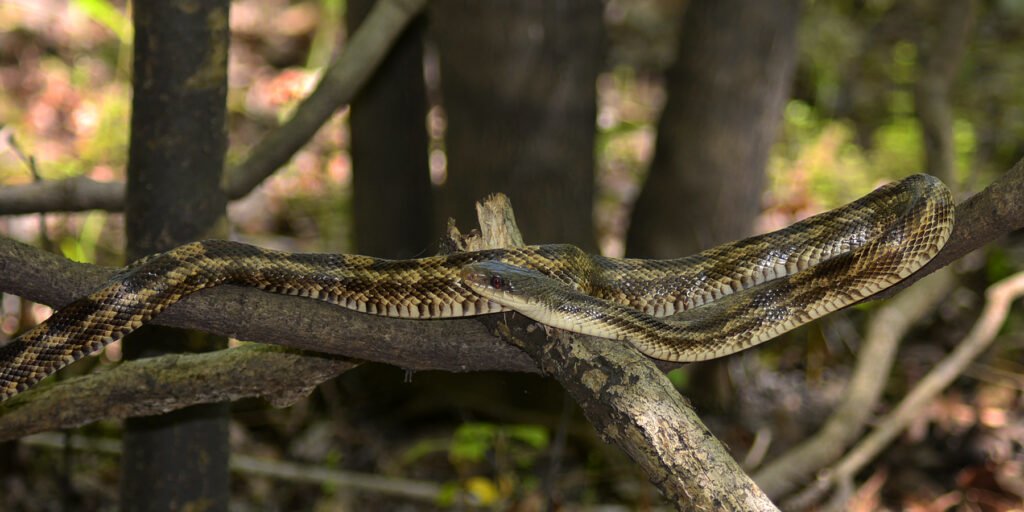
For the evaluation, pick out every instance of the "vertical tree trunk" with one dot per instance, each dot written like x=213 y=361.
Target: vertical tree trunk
x=939 y=59
x=518 y=86
x=177 y=461
x=726 y=92
x=391 y=193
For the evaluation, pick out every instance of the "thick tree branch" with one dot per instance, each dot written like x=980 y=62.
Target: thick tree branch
x=453 y=345
x=341 y=81
x=156 y=385
x=631 y=402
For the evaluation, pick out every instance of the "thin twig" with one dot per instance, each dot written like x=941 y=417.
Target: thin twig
x=885 y=330
x=428 y=492
x=999 y=297
x=341 y=81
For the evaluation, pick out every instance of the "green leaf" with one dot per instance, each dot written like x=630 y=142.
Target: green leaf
x=471 y=442
x=534 y=435
x=104 y=13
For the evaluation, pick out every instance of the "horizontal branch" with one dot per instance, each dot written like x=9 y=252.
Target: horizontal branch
x=428 y=492
x=157 y=385
x=341 y=81
x=457 y=345
x=68 y=195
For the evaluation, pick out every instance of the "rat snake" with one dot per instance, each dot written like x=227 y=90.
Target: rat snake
x=719 y=301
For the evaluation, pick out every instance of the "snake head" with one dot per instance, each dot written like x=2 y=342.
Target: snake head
x=505 y=284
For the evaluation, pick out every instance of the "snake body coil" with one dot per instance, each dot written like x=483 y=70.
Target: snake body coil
x=722 y=300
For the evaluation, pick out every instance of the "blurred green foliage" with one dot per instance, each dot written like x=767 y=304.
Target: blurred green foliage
x=495 y=461
x=111 y=17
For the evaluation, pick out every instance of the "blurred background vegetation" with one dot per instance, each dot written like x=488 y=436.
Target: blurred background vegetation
x=849 y=118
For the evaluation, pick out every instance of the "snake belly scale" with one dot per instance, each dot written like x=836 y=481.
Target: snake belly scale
x=719 y=301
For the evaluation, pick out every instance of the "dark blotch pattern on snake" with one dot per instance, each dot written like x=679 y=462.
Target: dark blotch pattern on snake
x=722 y=300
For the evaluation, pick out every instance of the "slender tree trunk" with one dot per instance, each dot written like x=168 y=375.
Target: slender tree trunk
x=392 y=197
x=939 y=59
x=176 y=461
x=726 y=92
x=518 y=86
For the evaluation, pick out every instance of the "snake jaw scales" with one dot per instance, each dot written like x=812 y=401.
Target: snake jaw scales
x=717 y=302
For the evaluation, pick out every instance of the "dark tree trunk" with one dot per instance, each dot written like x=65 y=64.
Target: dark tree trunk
x=518 y=86
x=391 y=193
x=176 y=461
x=726 y=92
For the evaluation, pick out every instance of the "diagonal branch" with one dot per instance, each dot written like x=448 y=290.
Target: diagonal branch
x=628 y=400
x=997 y=306
x=341 y=81
x=982 y=218
x=631 y=403
x=885 y=330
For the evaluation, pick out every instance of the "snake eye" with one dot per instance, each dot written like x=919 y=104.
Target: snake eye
x=497 y=282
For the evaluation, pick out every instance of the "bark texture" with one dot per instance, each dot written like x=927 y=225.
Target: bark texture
x=631 y=403
x=726 y=92
x=518 y=86
x=177 y=460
